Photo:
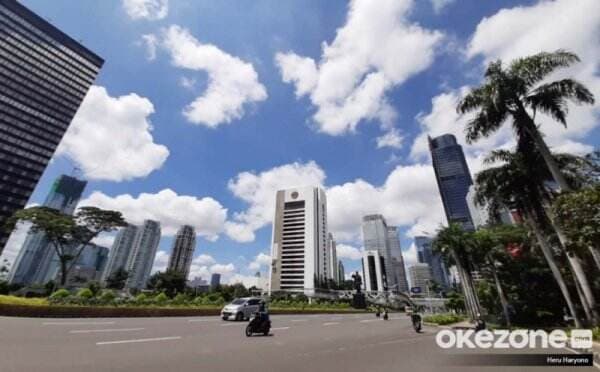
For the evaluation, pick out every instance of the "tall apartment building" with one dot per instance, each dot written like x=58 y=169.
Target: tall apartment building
x=453 y=178
x=480 y=214
x=183 y=250
x=215 y=280
x=34 y=258
x=120 y=251
x=341 y=272
x=374 y=277
x=88 y=267
x=142 y=255
x=375 y=237
x=332 y=260
x=398 y=270
x=420 y=276
x=299 y=248
x=425 y=254
x=44 y=76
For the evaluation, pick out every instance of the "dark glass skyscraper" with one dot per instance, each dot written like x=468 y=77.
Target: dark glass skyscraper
x=425 y=254
x=453 y=178
x=44 y=75
x=35 y=258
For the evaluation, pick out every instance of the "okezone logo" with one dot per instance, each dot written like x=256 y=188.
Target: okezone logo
x=518 y=339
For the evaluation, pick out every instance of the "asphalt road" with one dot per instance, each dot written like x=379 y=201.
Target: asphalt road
x=351 y=342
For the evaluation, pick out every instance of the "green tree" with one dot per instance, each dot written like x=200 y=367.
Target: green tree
x=454 y=243
x=117 y=279
x=170 y=282
x=68 y=235
x=516 y=92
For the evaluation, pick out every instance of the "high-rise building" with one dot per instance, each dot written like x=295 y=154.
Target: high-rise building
x=425 y=254
x=453 y=178
x=375 y=237
x=373 y=264
x=88 y=267
x=120 y=251
x=44 y=75
x=33 y=260
x=299 y=239
x=420 y=277
x=393 y=241
x=480 y=214
x=341 y=273
x=215 y=280
x=142 y=255
x=332 y=260
x=183 y=250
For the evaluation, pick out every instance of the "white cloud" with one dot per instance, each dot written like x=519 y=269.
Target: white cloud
x=232 y=82
x=161 y=260
x=260 y=261
x=91 y=141
x=146 y=9
x=548 y=26
x=172 y=210
x=14 y=243
x=105 y=240
x=187 y=83
x=258 y=190
x=149 y=41
x=392 y=139
x=348 y=251
x=410 y=256
x=203 y=260
x=440 y=5
x=361 y=65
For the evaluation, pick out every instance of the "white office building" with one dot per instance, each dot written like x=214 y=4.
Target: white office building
x=182 y=252
x=332 y=261
x=375 y=237
x=142 y=255
x=420 y=276
x=120 y=251
x=373 y=264
x=397 y=266
x=480 y=213
x=299 y=240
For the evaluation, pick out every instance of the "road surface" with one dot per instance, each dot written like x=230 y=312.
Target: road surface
x=350 y=342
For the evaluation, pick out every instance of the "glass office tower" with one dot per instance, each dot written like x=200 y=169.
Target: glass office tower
x=44 y=76
x=453 y=178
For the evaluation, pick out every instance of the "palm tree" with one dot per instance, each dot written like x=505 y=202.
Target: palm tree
x=453 y=243
x=516 y=92
x=517 y=185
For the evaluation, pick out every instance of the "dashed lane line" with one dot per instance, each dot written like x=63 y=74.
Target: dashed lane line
x=139 y=340
x=77 y=323
x=330 y=323
x=106 y=330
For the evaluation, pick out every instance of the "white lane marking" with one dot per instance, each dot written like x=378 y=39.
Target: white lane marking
x=368 y=320
x=330 y=323
x=228 y=325
x=77 y=323
x=138 y=340
x=279 y=328
x=106 y=330
x=203 y=320
x=299 y=320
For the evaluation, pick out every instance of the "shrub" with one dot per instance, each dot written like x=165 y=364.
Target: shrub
x=85 y=293
x=443 y=319
x=161 y=298
x=107 y=296
x=180 y=299
x=61 y=293
x=141 y=299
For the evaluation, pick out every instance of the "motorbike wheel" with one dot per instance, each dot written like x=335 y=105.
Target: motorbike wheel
x=248 y=331
x=266 y=332
x=417 y=327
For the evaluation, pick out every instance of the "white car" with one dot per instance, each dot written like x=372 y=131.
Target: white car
x=241 y=308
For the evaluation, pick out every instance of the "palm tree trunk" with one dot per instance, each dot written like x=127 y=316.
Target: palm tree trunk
x=501 y=295
x=586 y=307
x=471 y=301
x=548 y=255
x=547 y=155
x=595 y=255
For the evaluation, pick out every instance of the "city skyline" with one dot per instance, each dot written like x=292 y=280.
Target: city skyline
x=227 y=199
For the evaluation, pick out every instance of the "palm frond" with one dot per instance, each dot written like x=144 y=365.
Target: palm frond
x=535 y=68
x=551 y=98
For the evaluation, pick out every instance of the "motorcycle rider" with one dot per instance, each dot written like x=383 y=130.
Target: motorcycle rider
x=416 y=319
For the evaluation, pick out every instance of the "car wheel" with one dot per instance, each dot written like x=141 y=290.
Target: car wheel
x=239 y=316
x=225 y=317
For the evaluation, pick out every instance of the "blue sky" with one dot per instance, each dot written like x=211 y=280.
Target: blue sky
x=335 y=93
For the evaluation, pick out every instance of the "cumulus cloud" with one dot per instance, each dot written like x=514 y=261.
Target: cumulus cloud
x=232 y=82
x=258 y=191
x=260 y=261
x=91 y=141
x=105 y=240
x=348 y=251
x=203 y=260
x=146 y=9
x=392 y=139
x=161 y=260
x=356 y=70
x=440 y=5
x=172 y=210
x=548 y=26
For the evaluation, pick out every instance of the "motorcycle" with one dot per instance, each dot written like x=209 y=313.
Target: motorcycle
x=417 y=322
x=260 y=323
x=385 y=315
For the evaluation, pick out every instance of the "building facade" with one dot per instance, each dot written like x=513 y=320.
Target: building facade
x=341 y=272
x=299 y=240
x=182 y=252
x=375 y=237
x=32 y=264
x=215 y=280
x=89 y=266
x=120 y=251
x=453 y=178
x=397 y=267
x=374 y=277
x=44 y=76
x=142 y=255
x=480 y=214
x=332 y=259
x=425 y=254
x=420 y=277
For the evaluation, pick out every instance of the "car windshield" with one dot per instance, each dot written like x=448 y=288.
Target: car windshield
x=238 y=301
